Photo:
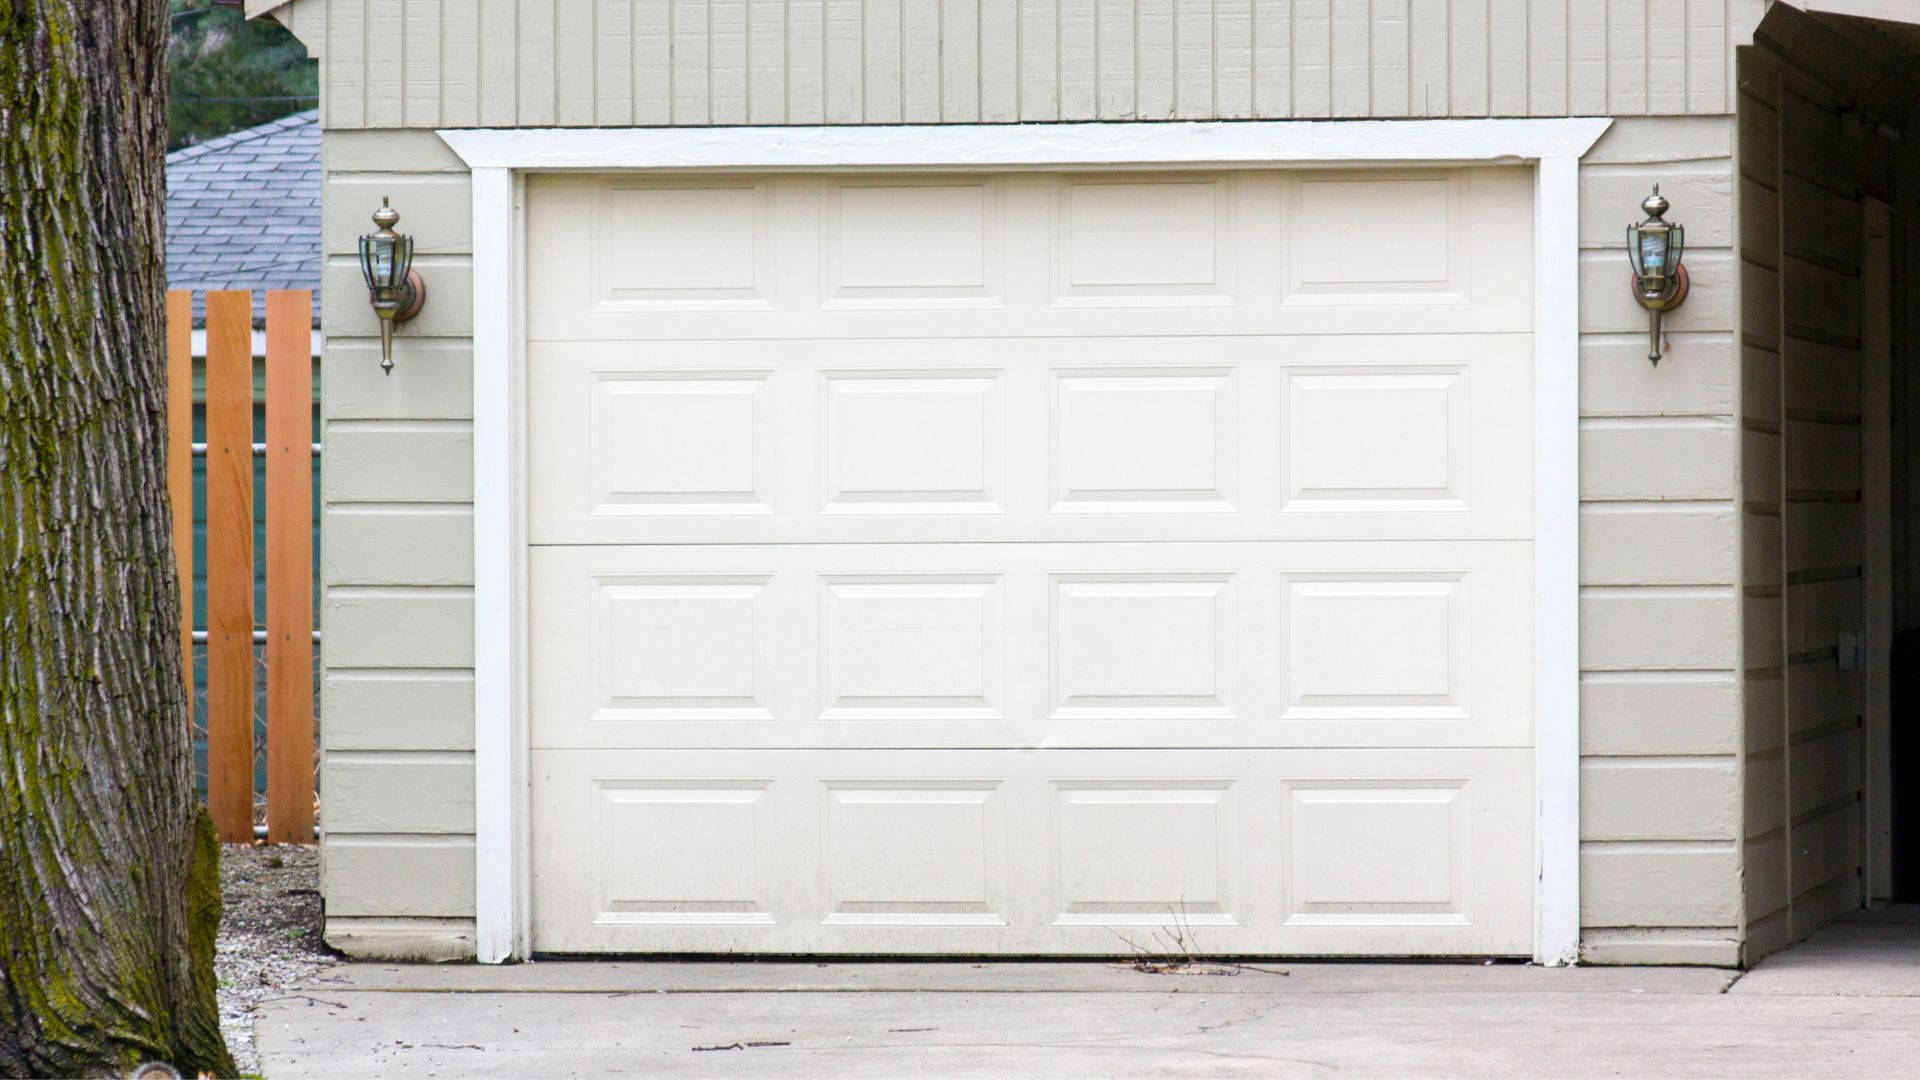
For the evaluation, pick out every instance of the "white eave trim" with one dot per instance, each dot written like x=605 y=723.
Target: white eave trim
x=1258 y=143
x=500 y=158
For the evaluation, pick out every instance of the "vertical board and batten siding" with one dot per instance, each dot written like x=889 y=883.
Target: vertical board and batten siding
x=1660 y=567
x=615 y=63
x=1661 y=703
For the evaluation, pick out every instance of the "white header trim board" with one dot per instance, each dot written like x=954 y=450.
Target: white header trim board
x=1262 y=144
x=500 y=158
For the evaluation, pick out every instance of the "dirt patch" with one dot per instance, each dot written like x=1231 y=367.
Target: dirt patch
x=270 y=935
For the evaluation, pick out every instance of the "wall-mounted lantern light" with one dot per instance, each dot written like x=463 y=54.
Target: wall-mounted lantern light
x=1659 y=280
x=395 y=290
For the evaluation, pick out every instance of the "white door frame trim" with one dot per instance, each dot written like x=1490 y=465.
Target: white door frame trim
x=501 y=158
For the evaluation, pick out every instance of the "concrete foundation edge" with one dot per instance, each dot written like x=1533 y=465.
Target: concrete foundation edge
x=429 y=940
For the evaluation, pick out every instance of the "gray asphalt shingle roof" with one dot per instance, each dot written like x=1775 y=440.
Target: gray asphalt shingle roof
x=243 y=212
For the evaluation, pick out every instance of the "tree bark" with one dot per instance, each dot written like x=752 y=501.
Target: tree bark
x=109 y=888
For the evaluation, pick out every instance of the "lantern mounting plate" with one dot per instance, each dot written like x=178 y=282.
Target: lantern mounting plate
x=1681 y=281
x=413 y=297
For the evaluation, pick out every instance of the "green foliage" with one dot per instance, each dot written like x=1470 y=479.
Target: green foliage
x=228 y=72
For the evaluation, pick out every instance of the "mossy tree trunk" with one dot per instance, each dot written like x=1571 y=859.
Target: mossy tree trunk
x=109 y=891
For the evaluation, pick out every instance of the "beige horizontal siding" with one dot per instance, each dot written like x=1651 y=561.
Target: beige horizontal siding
x=405 y=709
x=1760 y=478
x=539 y=63
x=1710 y=302
x=386 y=461
x=1639 y=885
x=398 y=627
x=1634 y=388
x=1766 y=706
x=1658 y=458
x=1659 y=628
x=1766 y=801
x=1821 y=536
x=1608 y=199
x=381 y=874
x=417 y=545
x=436 y=209
x=397 y=559
x=1672 y=945
x=417 y=939
x=1691 y=797
x=438 y=386
x=1660 y=559
x=1641 y=712
x=400 y=792
x=1762 y=612
x=1654 y=543
x=448 y=313
x=1818 y=695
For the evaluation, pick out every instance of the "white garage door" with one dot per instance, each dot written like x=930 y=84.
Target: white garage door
x=1022 y=563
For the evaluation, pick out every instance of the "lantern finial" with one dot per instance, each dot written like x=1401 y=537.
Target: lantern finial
x=1656 y=204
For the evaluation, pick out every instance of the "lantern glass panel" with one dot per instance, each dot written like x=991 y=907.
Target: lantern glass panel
x=384 y=260
x=1676 y=241
x=1633 y=250
x=376 y=260
x=1654 y=252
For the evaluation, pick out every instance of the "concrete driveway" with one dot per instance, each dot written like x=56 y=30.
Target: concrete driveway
x=1845 y=1004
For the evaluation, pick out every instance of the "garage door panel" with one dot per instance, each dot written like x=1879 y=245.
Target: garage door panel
x=1366 y=644
x=1382 y=853
x=1379 y=240
x=693 y=244
x=1014 y=852
x=1146 y=440
x=1030 y=439
x=1380 y=438
x=1173 y=240
x=1070 y=254
x=912 y=242
x=911 y=441
x=678 y=443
